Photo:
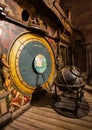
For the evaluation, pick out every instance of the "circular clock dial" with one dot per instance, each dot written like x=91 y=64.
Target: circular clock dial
x=32 y=62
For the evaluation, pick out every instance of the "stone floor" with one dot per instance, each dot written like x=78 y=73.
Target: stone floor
x=41 y=116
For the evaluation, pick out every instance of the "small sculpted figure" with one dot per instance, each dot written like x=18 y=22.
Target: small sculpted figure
x=5 y=68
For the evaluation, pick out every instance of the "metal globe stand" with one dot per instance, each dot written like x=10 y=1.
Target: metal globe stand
x=71 y=102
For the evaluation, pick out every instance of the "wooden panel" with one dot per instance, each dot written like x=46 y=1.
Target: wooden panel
x=3 y=106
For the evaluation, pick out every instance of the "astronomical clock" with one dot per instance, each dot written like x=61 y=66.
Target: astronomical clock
x=32 y=62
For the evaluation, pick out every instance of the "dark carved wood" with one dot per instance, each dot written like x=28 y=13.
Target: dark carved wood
x=55 y=7
x=35 y=28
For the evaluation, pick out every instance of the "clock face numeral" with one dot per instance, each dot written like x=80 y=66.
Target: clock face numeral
x=32 y=62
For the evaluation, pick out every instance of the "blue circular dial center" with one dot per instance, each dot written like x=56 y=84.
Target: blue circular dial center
x=34 y=58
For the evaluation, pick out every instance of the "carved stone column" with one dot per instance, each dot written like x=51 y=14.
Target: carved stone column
x=89 y=61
